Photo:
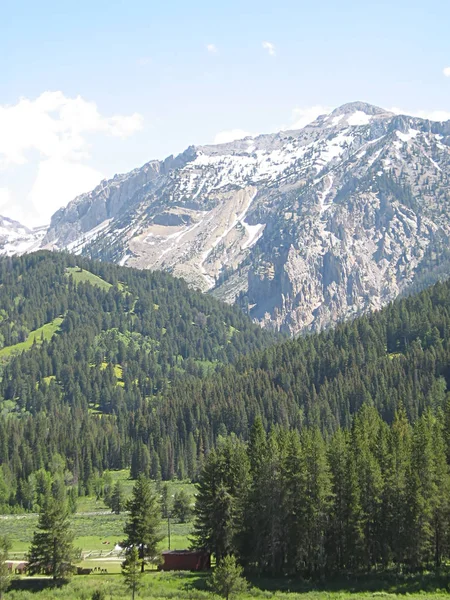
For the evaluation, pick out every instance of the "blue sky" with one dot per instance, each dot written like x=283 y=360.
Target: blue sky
x=142 y=79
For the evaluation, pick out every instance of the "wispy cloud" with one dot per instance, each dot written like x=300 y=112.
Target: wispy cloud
x=305 y=115
x=5 y=197
x=144 y=61
x=269 y=47
x=431 y=115
x=224 y=137
x=212 y=48
x=446 y=71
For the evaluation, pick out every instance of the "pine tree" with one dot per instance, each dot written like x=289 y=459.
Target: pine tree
x=51 y=549
x=227 y=579
x=182 y=506
x=117 y=498
x=131 y=570
x=5 y=574
x=441 y=493
x=317 y=499
x=222 y=484
x=370 y=481
x=142 y=526
x=395 y=465
x=345 y=536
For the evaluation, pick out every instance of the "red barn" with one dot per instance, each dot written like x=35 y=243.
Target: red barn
x=186 y=560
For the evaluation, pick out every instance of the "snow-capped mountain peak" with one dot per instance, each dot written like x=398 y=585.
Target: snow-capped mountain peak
x=300 y=227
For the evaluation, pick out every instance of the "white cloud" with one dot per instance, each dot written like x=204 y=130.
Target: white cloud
x=446 y=71
x=5 y=197
x=432 y=115
x=55 y=126
x=303 y=116
x=144 y=61
x=224 y=137
x=58 y=182
x=9 y=207
x=51 y=134
x=269 y=47
x=212 y=48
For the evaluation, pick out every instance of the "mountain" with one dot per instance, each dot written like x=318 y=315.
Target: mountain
x=15 y=238
x=301 y=228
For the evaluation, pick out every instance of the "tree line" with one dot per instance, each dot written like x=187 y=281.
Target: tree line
x=372 y=497
x=103 y=394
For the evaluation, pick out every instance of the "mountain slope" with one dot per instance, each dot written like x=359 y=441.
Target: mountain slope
x=301 y=228
x=15 y=238
x=171 y=324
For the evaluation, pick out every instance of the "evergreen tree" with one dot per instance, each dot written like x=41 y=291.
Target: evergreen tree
x=51 y=549
x=222 y=485
x=118 y=498
x=227 y=578
x=142 y=526
x=5 y=573
x=182 y=506
x=395 y=465
x=131 y=571
x=345 y=536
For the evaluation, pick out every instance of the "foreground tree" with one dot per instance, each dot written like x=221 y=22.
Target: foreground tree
x=52 y=549
x=227 y=580
x=220 y=489
x=142 y=526
x=5 y=574
x=131 y=570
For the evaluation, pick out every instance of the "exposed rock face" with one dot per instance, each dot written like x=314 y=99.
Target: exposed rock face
x=301 y=228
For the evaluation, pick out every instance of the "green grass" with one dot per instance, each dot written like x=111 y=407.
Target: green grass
x=87 y=277
x=46 y=332
x=393 y=355
x=94 y=524
x=193 y=586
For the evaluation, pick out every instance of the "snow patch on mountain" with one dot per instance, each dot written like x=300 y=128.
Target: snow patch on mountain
x=16 y=239
x=302 y=228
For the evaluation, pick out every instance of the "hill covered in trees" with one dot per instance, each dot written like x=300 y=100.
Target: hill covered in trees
x=140 y=372
x=86 y=349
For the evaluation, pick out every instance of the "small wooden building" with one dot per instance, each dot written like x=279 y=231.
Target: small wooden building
x=186 y=560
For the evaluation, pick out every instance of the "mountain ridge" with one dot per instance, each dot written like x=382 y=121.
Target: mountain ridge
x=301 y=228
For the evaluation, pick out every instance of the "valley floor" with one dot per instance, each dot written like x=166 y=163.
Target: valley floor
x=191 y=586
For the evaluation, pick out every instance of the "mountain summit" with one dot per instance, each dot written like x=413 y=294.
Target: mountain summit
x=301 y=228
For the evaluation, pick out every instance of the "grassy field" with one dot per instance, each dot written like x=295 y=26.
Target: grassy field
x=97 y=531
x=87 y=277
x=192 y=586
x=46 y=332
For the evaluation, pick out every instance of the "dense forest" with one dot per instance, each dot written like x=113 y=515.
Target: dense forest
x=143 y=373
x=86 y=351
x=372 y=497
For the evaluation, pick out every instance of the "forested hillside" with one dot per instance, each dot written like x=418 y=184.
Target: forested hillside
x=400 y=354
x=140 y=372
x=85 y=350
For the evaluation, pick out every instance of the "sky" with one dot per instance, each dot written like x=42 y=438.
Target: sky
x=91 y=89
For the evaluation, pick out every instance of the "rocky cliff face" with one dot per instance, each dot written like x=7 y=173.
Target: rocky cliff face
x=301 y=228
